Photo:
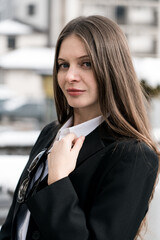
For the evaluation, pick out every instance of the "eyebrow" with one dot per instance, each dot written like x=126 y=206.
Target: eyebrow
x=82 y=57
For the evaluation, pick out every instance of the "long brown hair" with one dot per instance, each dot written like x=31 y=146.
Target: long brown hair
x=120 y=93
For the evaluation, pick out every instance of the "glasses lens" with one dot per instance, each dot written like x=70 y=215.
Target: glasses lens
x=23 y=189
x=24 y=186
x=35 y=161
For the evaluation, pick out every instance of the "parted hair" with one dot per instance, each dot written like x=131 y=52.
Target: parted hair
x=120 y=92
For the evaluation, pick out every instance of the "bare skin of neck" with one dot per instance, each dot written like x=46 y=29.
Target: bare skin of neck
x=83 y=115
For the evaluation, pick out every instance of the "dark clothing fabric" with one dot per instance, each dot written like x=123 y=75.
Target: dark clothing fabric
x=104 y=198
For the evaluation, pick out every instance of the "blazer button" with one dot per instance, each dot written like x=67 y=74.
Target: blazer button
x=36 y=235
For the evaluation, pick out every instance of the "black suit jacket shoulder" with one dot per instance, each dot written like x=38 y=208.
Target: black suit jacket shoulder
x=106 y=196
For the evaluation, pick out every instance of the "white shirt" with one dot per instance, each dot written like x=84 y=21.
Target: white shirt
x=82 y=129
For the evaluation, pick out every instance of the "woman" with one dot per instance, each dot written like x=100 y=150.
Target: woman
x=102 y=164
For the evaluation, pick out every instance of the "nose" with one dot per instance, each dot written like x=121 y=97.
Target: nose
x=72 y=75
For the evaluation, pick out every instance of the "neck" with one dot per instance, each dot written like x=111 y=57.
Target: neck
x=81 y=116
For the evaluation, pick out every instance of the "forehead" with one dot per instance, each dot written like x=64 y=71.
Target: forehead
x=72 y=46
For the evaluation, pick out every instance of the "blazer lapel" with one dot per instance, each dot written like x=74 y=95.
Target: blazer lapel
x=44 y=142
x=92 y=144
x=97 y=140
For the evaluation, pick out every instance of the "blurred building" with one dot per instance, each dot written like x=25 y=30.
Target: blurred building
x=139 y=19
x=46 y=16
x=29 y=30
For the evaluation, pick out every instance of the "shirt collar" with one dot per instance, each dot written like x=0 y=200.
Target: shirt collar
x=82 y=129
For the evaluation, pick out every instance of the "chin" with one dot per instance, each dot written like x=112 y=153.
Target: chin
x=76 y=106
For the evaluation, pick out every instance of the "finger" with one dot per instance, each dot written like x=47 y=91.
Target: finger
x=52 y=147
x=78 y=144
x=70 y=137
x=69 y=140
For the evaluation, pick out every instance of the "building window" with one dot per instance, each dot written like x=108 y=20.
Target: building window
x=31 y=9
x=11 y=42
x=121 y=14
x=137 y=45
x=142 y=15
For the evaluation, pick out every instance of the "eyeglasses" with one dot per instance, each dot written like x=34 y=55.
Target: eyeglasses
x=22 y=193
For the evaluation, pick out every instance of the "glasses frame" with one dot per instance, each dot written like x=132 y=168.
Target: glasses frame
x=24 y=187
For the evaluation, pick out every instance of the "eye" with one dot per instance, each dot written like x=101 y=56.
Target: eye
x=63 y=65
x=86 y=64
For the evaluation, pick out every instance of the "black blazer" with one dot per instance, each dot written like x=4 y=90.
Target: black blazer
x=104 y=198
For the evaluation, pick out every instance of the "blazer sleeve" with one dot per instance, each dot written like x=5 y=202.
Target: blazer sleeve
x=5 y=232
x=118 y=208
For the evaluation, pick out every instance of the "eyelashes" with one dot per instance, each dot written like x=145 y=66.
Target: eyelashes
x=65 y=65
x=62 y=65
x=87 y=64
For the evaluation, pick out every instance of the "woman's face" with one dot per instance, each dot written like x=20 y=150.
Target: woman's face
x=75 y=76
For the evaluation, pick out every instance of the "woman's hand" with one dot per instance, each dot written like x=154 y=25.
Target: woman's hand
x=63 y=157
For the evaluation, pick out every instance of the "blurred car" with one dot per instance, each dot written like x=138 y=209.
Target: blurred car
x=23 y=108
x=5 y=94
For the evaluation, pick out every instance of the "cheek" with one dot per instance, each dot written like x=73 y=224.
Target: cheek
x=94 y=87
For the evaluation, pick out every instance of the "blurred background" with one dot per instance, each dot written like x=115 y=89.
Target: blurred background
x=28 y=34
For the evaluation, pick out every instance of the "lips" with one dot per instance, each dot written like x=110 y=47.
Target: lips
x=75 y=91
